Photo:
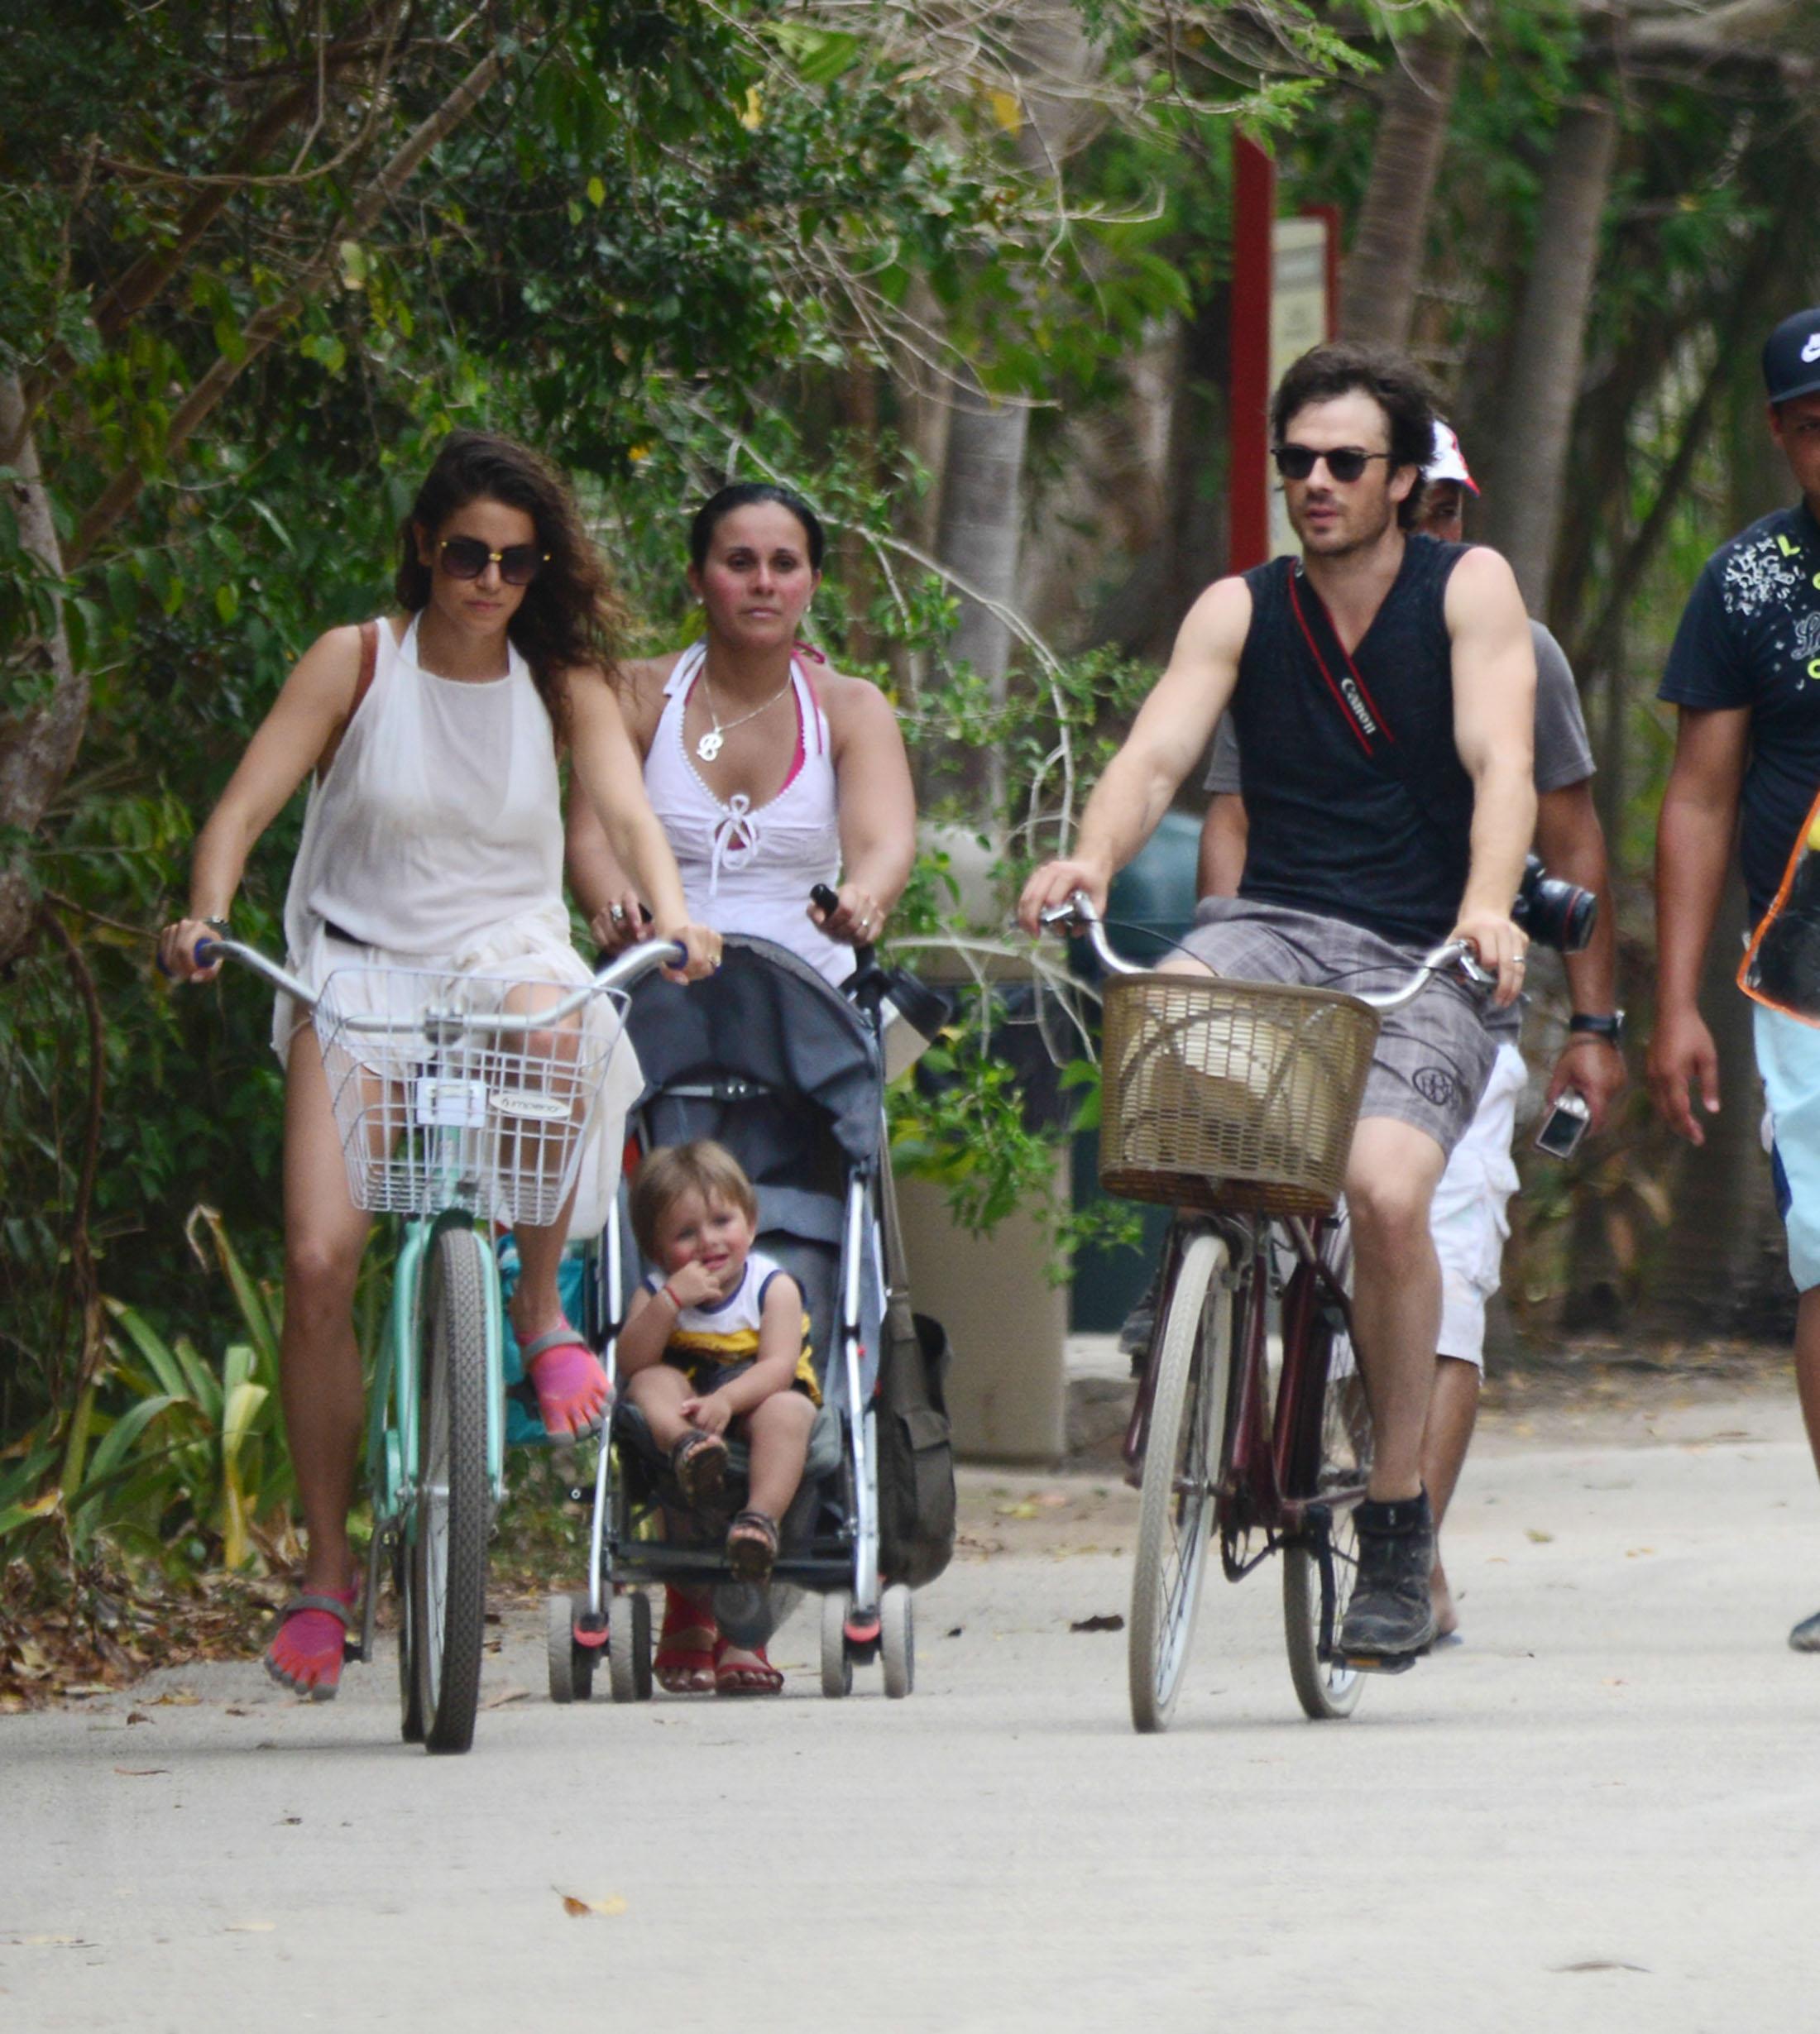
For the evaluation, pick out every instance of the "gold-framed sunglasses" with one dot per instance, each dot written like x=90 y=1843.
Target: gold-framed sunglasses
x=466 y=558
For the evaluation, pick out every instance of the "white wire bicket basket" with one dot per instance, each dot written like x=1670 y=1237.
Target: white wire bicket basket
x=446 y=1111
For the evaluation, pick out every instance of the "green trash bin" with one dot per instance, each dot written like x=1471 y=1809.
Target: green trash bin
x=1151 y=904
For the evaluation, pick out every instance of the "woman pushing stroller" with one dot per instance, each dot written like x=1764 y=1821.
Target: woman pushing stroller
x=770 y=774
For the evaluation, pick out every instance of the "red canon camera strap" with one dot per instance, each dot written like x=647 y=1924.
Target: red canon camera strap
x=1356 y=706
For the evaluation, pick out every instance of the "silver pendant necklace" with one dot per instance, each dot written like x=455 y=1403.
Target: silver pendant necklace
x=709 y=745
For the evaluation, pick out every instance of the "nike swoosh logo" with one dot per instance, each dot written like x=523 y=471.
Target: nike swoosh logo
x=1811 y=351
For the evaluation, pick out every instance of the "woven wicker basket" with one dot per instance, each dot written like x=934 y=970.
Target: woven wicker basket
x=1230 y=1096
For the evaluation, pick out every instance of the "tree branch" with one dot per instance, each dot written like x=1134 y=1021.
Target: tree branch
x=1601 y=639
x=266 y=325
x=146 y=279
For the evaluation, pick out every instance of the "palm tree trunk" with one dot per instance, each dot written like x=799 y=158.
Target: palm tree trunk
x=1378 y=294
x=981 y=528
x=1524 y=516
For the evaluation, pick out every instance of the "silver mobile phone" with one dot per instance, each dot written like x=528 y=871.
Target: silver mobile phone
x=1564 y=1125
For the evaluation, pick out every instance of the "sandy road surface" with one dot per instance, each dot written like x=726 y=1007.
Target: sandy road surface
x=1601 y=1811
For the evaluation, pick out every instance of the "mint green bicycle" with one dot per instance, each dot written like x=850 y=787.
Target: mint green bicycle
x=459 y=1109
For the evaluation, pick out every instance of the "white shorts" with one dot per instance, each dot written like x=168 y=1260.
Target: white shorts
x=1470 y=1218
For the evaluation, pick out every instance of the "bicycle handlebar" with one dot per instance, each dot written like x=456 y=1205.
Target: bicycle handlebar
x=1079 y=911
x=635 y=963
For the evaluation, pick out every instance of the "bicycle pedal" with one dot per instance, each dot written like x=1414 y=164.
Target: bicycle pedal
x=1381 y=1663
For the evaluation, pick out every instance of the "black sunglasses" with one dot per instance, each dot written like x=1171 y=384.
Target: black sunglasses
x=466 y=558
x=1296 y=463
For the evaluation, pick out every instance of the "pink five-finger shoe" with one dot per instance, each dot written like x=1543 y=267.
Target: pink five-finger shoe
x=305 y=1652
x=571 y=1386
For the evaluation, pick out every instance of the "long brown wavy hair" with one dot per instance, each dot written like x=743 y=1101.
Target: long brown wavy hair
x=570 y=615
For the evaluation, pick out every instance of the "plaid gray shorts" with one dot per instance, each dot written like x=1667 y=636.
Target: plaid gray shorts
x=1433 y=1056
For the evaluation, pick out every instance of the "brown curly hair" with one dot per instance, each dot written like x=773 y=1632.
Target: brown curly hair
x=570 y=616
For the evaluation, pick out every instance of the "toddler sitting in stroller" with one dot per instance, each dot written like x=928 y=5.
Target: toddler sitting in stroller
x=717 y=1339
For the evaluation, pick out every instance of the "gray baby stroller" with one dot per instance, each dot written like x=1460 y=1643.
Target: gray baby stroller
x=785 y=1071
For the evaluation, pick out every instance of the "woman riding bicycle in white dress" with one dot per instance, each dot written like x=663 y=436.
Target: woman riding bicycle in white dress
x=434 y=839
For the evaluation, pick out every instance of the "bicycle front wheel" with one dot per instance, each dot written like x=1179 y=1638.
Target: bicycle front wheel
x=1320 y=1569
x=453 y=1510
x=1181 y=1472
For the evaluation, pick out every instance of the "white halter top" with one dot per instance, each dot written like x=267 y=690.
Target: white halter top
x=439 y=820
x=750 y=868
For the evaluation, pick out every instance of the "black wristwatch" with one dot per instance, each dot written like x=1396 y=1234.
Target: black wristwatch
x=1609 y=1028
x=217 y=924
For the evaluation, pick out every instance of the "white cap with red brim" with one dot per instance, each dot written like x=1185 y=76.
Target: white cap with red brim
x=1447 y=462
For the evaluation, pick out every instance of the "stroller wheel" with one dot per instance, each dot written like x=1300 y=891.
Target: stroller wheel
x=572 y=1666
x=836 y=1664
x=896 y=1640
x=629 y=1647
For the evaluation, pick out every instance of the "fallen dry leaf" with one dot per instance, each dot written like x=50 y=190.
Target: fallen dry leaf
x=139 y=1772
x=137 y=1716
x=1632 y=1553
x=504 y=1696
x=1106 y=1620
x=577 y=1907
x=249 y=1927
x=1537 y=1533
x=1016 y=1511
x=178 y=1698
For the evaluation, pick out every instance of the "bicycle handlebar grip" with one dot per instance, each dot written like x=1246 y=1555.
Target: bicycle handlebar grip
x=207 y=952
x=825 y=897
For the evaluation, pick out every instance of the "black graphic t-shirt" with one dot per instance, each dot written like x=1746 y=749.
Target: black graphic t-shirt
x=1749 y=636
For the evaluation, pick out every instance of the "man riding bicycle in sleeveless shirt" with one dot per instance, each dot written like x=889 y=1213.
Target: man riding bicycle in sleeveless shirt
x=1384 y=693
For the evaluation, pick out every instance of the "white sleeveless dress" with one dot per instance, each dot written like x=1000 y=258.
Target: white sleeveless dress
x=750 y=868
x=434 y=840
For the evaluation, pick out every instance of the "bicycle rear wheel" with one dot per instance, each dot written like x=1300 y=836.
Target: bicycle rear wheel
x=453 y=1511
x=1319 y=1569
x=1182 y=1470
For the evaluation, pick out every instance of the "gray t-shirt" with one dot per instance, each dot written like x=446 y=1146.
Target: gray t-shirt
x=1563 y=755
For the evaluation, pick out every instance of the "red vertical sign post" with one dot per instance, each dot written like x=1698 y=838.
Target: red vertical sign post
x=1254 y=207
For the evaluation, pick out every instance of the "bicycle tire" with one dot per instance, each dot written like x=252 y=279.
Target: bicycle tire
x=1327 y=1689
x=1181 y=1469
x=453 y=1510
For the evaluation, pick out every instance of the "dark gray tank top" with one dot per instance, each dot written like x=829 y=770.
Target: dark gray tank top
x=1335 y=826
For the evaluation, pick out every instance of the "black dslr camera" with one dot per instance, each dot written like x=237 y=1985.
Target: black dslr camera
x=1553 y=911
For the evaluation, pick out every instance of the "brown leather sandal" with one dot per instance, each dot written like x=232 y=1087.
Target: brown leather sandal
x=752 y=1546
x=698 y=1462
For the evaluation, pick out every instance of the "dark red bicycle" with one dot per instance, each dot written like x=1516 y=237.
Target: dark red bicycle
x=1234 y=1102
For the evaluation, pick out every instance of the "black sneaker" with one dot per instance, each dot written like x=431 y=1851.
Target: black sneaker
x=1391 y=1619
x=1805 y=1637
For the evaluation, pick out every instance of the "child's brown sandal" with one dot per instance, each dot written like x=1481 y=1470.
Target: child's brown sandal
x=752 y=1546
x=698 y=1462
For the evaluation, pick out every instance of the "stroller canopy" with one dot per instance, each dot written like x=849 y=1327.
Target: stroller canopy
x=767 y=1017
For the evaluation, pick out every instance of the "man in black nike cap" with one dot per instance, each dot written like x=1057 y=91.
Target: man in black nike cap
x=1745 y=675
